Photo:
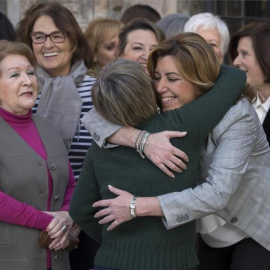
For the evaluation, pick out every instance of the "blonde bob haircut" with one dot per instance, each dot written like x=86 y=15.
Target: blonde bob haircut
x=123 y=93
x=101 y=29
x=196 y=60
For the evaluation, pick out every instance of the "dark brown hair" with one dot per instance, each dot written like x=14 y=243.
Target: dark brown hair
x=259 y=32
x=7 y=31
x=65 y=21
x=138 y=24
x=140 y=11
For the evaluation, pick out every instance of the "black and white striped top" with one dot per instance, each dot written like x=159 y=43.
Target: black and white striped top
x=82 y=140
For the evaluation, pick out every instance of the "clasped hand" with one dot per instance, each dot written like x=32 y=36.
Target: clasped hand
x=55 y=229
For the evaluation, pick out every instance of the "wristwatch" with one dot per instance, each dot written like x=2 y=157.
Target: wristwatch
x=132 y=206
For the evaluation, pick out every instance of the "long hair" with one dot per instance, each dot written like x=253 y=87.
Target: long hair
x=195 y=59
x=259 y=32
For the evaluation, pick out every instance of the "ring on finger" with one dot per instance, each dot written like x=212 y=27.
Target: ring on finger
x=64 y=228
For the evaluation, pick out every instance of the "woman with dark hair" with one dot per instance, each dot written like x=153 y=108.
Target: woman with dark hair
x=63 y=56
x=137 y=39
x=124 y=94
x=140 y=11
x=249 y=51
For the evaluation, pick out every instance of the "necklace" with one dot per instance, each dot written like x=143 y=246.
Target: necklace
x=263 y=99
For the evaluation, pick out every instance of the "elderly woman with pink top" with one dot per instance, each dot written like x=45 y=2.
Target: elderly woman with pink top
x=36 y=179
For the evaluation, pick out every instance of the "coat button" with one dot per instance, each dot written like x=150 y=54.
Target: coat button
x=56 y=197
x=182 y=218
x=96 y=137
x=55 y=257
x=234 y=220
x=52 y=166
x=178 y=219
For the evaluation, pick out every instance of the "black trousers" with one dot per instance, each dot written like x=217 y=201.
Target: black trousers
x=83 y=257
x=244 y=255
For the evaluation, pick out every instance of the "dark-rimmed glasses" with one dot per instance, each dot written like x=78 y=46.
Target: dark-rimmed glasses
x=55 y=37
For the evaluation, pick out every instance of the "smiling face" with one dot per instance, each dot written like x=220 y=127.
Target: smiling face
x=173 y=89
x=212 y=37
x=55 y=58
x=18 y=85
x=139 y=44
x=247 y=61
x=107 y=51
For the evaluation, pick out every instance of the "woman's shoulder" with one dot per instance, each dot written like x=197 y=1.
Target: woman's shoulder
x=242 y=111
x=243 y=106
x=87 y=80
x=87 y=77
x=84 y=88
x=45 y=125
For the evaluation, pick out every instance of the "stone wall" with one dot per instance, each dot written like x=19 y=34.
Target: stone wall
x=86 y=10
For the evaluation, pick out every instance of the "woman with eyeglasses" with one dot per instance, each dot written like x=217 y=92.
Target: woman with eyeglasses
x=63 y=56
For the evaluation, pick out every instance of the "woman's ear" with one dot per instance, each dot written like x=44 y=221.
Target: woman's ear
x=197 y=91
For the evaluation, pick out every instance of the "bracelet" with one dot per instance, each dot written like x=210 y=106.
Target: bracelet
x=132 y=206
x=139 y=142
x=143 y=143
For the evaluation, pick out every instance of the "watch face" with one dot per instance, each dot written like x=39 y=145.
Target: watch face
x=132 y=206
x=132 y=212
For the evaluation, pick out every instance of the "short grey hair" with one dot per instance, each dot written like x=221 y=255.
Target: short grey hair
x=172 y=24
x=124 y=94
x=208 y=21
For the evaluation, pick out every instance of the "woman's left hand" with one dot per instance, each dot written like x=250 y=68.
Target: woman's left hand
x=60 y=225
x=116 y=210
x=60 y=242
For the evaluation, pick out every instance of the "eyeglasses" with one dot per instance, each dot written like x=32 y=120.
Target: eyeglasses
x=56 y=37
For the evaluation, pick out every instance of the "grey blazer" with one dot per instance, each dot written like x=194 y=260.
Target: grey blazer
x=234 y=180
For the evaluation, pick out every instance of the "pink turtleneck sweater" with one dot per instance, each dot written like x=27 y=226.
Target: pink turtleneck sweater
x=15 y=212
